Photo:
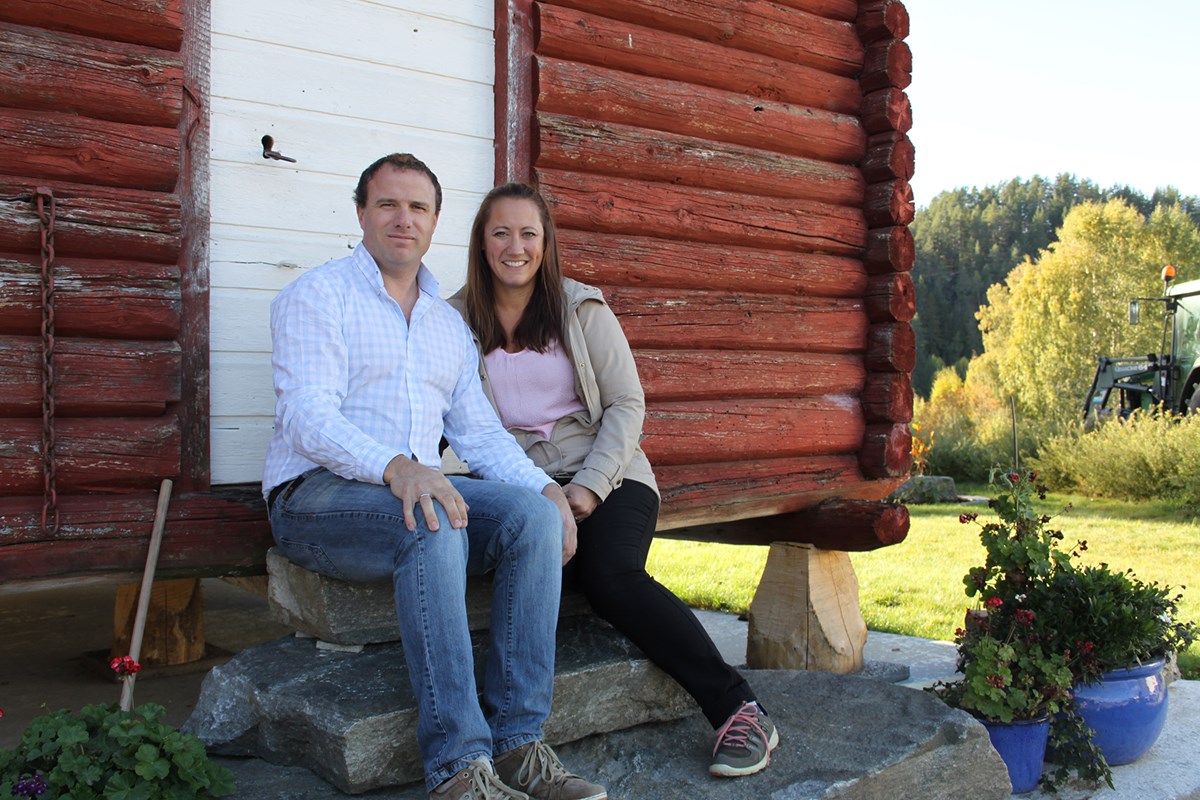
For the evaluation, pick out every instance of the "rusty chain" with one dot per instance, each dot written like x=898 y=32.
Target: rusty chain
x=45 y=212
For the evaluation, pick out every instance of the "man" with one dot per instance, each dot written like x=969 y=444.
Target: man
x=371 y=369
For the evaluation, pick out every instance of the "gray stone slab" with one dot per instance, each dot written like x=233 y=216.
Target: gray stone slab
x=844 y=737
x=351 y=717
x=344 y=613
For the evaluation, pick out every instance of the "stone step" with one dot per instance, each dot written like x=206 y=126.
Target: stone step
x=350 y=614
x=350 y=717
x=843 y=737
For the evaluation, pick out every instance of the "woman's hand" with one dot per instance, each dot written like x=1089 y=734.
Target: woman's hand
x=583 y=501
x=570 y=532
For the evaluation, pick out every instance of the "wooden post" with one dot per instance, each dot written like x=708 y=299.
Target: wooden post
x=805 y=613
x=174 y=622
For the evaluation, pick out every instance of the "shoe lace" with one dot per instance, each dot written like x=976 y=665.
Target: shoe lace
x=485 y=785
x=737 y=729
x=543 y=762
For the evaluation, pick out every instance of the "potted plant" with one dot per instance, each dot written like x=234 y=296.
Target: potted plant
x=1120 y=632
x=109 y=751
x=1015 y=677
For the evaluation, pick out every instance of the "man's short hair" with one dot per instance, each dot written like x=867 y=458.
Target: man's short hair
x=399 y=161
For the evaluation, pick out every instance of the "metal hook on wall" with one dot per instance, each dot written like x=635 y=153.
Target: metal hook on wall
x=268 y=143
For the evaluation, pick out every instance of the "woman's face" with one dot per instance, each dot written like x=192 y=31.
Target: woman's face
x=514 y=242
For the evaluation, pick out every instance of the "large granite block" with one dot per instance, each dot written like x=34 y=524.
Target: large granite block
x=351 y=717
x=344 y=613
x=841 y=738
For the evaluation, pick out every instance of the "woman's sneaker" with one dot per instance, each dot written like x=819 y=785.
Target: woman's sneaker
x=744 y=743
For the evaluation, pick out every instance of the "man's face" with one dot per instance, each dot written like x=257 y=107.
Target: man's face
x=398 y=219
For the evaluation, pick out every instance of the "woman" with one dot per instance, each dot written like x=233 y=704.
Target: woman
x=560 y=373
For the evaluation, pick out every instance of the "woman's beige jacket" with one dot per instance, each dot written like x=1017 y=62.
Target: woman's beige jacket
x=598 y=447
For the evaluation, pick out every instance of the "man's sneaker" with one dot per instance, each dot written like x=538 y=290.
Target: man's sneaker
x=744 y=743
x=476 y=782
x=535 y=769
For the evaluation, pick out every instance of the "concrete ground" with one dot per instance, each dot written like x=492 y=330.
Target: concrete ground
x=54 y=654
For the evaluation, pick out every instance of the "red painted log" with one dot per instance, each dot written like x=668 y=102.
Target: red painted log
x=695 y=432
x=513 y=140
x=581 y=90
x=156 y=23
x=844 y=10
x=847 y=525
x=766 y=28
x=578 y=36
x=882 y=19
x=636 y=261
x=886 y=110
x=889 y=155
x=583 y=145
x=602 y=204
x=90 y=454
x=721 y=374
x=93 y=377
x=886 y=451
x=104 y=537
x=891 y=347
x=891 y=298
x=890 y=249
x=889 y=203
x=888 y=397
x=92 y=221
x=128 y=83
x=54 y=146
x=670 y=319
x=854 y=525
x=888 y=63
x=111 y=299
x=720 y=492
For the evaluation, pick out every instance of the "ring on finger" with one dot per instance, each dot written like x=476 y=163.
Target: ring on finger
x=422 y=494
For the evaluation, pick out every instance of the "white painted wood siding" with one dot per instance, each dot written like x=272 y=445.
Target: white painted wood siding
x=336 y=83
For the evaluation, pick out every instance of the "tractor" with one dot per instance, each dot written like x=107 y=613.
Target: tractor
x=1167 y=380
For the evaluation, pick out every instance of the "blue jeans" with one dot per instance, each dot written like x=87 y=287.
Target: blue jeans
x=355 y=531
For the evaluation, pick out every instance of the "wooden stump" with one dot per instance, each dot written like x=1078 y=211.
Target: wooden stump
x=805 y=613
x=174 y=631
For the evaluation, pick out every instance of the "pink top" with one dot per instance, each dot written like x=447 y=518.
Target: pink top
x=533 y=390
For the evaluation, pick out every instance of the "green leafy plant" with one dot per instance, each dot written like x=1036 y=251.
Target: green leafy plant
x=1111 y=620
x=1008 y=650
x=104 y=752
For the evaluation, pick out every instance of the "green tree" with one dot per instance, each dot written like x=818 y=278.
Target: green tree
x=970 y=238
x=1051 y=318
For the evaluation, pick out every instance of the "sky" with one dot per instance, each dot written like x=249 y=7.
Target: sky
x=1108 y=90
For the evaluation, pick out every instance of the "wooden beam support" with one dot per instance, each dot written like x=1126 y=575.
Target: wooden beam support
x=728 y=374
x=156 y=23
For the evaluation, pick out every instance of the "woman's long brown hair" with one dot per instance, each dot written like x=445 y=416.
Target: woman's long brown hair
x=542 y=321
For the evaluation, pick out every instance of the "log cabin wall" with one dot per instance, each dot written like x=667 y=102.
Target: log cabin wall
x=103 y=329
x=735 y=178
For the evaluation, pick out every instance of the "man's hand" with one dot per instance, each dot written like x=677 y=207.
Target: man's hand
x=415 y=483
x=583 y=501
x=570 y=532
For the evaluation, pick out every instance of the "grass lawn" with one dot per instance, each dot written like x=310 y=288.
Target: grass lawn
x=915 y=588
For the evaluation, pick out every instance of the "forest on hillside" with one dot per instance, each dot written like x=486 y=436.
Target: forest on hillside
x=969 y=239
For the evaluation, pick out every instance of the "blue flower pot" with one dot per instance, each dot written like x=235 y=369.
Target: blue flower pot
x=1126 y=710
x=1022 y=745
